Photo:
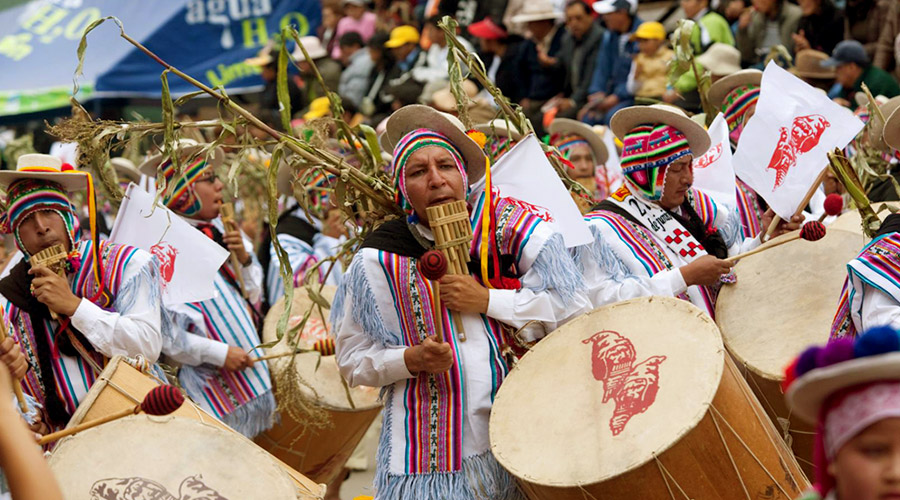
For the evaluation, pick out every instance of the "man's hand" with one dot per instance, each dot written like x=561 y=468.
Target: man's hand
x=13 y=357
x=53 y=291
x=841 y=101
x=544 y=59
x=429 y=357
x=800 y=41
x=783 y=226
x=237 y=359
x=705 y=271
x=744 y=20
x=670 y=96
x=609 y=102
x=235 y=243
x=462 y=293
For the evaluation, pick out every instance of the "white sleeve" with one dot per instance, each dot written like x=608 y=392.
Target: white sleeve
x=187 y=347
x=879 y=309
x=728 y=220
x=134 y=328
x=552 y=290
x=608 y=277
x=362 y=360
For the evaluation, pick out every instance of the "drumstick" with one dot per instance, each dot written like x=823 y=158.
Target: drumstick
x=433 y=266
x=227 y=211
x=17 y=387
x=279 y=355
x=811 y=231
x=809 y=195
x=161 y=400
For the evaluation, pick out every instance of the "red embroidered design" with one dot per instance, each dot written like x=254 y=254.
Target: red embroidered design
x=166 y=254
x=632 y=386
x=708 y=158
x=538 y=210
x=803 y=136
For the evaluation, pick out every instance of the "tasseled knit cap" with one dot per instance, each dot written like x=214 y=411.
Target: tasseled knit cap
x=409 y=144
x=647 y=149
x=28 y=196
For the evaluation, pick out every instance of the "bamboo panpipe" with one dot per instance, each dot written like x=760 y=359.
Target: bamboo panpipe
x=452 y=236
x=227 y=212
x=54 y=258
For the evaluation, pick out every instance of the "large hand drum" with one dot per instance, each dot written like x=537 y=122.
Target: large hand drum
x=318 y=454
x=851 y=220
x=143 y=457
x=637 y=400
x=784 y=300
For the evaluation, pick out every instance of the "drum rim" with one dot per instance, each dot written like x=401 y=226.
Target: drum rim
x=739 y=355
x=690 y=423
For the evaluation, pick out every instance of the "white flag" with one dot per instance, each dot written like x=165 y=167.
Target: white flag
x=713 y=171
x=525 y=174
x=188 y=259
x=783 y=148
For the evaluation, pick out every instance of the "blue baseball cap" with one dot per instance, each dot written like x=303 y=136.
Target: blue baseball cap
x=848 y=51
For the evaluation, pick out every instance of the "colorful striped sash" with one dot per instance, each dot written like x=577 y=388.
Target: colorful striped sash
x=749 y=209
x=878 y=266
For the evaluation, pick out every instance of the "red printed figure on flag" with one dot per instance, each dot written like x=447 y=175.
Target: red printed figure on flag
x=784 y=148
x=166 y=254
x=803 y=136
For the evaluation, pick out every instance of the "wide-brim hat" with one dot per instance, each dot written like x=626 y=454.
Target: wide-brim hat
x=500 y=128
x=417 y=116
x=721 y=88
x=808 y=393
x=444 y=100
x=569 y=126
x=721 y=59
x=536 y=10
x=891 y=134
x=187 y=149
x=44 y=167
x=313 y=47
x=808 y=64
x=878 y=130
x=625 y=120
x=125 y=170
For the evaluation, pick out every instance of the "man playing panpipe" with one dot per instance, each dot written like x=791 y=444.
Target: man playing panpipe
x=212 y=338
x=438 y=395
x=96 y=305
x=657 y=235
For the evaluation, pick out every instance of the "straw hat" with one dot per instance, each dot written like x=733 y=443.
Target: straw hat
x=568 y=126
x=499 y=128
x=628 y=118
x=721 y=59
x=313 y=46
x=187 y=149
x=808 y=64
x=263 y=58
x=443 y=98
x=44 y=167
x=808 y=393
x=416 y=116
x=536 y=10
x=125 y=169
x=721 y=88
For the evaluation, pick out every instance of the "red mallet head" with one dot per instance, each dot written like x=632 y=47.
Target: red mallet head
x=812 y=231
x=834 y=204
x=162 y=400
x=433 y=265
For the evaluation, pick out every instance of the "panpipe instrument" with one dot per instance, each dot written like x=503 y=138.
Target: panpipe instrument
x=53 y=258
x=452 y=236
x=227 y=212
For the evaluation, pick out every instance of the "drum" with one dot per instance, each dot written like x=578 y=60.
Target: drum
x=638 y=400
x=319 y=454
x=142 y=457
x=851 y=221
x=794 y=289
x=121 y=385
